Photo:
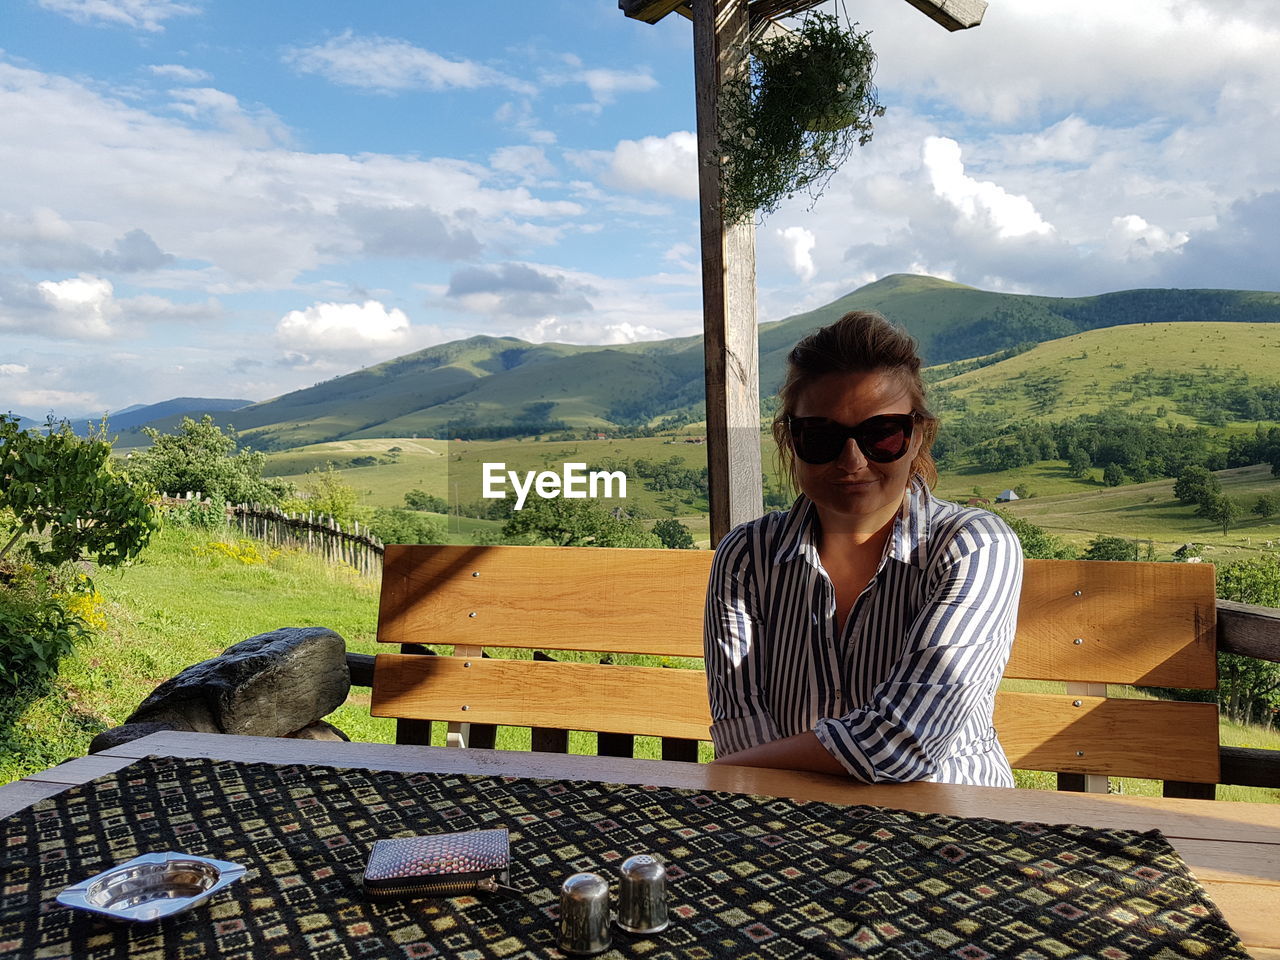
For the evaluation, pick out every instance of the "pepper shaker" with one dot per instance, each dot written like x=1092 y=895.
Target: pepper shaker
x=642 y=895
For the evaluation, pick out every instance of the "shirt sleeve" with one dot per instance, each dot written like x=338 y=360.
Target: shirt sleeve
x=736 y=669
x=954 y=655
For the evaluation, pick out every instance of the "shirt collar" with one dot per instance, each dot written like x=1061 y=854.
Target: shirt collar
x=908 y=541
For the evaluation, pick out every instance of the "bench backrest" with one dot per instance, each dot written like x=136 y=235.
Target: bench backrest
x=1087 y=623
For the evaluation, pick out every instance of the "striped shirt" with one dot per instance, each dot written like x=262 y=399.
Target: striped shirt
x=907 y=692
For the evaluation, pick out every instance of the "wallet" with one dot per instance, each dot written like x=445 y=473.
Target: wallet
x=438 y=865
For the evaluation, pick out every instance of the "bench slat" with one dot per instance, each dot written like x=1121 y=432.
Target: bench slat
x=648 y=701
x=1129 y=738
x=1142 y=623
x=1151 y=624
x=1153 y=739
x=602 y=599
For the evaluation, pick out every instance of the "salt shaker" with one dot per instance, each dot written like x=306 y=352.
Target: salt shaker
x=584 y=915
x=642 y=895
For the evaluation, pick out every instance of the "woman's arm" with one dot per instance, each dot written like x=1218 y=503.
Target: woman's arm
x=954 y=655
x=735 y=664
x=802 y=752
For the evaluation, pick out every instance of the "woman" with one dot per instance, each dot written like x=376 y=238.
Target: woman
x=865 y=630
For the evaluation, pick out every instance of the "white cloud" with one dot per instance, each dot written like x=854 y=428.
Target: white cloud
x=527 y=162
x=979 y=201
x=1131 y=237
x=340 y=326
x=605 y=85
x=389 y=65
x=13 y=369
x=520 y=116
x=142 y=14
x=666 y=165
x=799 y=243
x=83 y=306
x=555 y=329
x=239 y=212
x=258 y=127
x=1053 y=57
x=39 y=399
x=178 y=73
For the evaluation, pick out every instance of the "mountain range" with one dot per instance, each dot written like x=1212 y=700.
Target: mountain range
x=490 y=386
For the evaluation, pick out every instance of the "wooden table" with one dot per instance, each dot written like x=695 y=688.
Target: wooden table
x=1233 y=848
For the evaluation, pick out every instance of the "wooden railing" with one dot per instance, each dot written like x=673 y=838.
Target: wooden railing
x=1243 y=629
x=317 y=533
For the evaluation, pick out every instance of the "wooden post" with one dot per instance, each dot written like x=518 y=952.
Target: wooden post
x=730 y=338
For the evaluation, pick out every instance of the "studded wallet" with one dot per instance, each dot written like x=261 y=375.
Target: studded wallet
x=438 y=865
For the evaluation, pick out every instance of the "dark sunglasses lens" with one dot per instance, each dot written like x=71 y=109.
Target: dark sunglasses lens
x=818 y=444
x=884 y=440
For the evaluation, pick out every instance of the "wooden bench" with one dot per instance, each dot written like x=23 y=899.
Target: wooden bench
x=1084 y=623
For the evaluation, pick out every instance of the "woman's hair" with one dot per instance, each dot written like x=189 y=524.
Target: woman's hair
x=859 y=342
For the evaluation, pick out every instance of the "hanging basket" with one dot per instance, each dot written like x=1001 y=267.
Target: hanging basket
x=806 y=99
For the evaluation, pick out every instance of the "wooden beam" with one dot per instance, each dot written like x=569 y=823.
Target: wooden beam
x=1248 y=630
x=650 y=11
x=730 y=337
x=1250 y=767
x=952 y=14
x=761 y=10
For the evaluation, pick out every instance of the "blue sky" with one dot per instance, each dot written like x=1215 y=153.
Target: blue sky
x=236 y=199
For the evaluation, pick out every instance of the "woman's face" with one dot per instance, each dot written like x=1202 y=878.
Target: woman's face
x=852 y=492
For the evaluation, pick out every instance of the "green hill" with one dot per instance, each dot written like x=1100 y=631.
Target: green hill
x=1191 y=373
x=491 y=387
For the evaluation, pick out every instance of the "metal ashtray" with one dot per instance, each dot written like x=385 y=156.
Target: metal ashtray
x=152 y=886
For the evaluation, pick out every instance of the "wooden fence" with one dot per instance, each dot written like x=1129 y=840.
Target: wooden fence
x=314 y=532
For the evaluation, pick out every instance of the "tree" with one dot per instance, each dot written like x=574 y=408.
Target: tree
x=403 y=526
x=65 y=495
x=421 y=500
x=67 y=491
x=324 y=491
x=1224 y=511
x=1078 y=463
x=1249 y=689
x=200 y=456
x=576 y=523
x=1195 y=484
x=1113 y=475
x=1266 y=506
x=1036 y=543
x=673 y=534
x=1111 y=548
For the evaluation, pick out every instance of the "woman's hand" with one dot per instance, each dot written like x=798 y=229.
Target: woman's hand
x=802 y=752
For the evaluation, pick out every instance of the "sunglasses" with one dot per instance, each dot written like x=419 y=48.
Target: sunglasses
x=883 y=439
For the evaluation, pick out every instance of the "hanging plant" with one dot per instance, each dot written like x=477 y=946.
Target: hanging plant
x=805 y=100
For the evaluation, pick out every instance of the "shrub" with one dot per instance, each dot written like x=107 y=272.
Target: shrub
x=38 y=627
x=62 y=493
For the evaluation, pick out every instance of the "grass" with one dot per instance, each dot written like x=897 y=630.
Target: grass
x=1091 y=368
x=187 y=601
x=453 y=469
x=181 y=604
x=1149 y=511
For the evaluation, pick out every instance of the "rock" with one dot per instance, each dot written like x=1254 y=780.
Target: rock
x=123 y=734
x=320 y=730
x=267 y=686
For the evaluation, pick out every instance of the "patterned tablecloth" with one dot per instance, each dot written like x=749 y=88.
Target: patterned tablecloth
x=749 y=876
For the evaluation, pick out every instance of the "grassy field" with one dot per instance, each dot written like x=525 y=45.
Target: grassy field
x=454 y=471
x=1144 y=511
x=1075 y=509
x=189 y=599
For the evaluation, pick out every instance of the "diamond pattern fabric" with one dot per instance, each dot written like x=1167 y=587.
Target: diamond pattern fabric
x=749 y=877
